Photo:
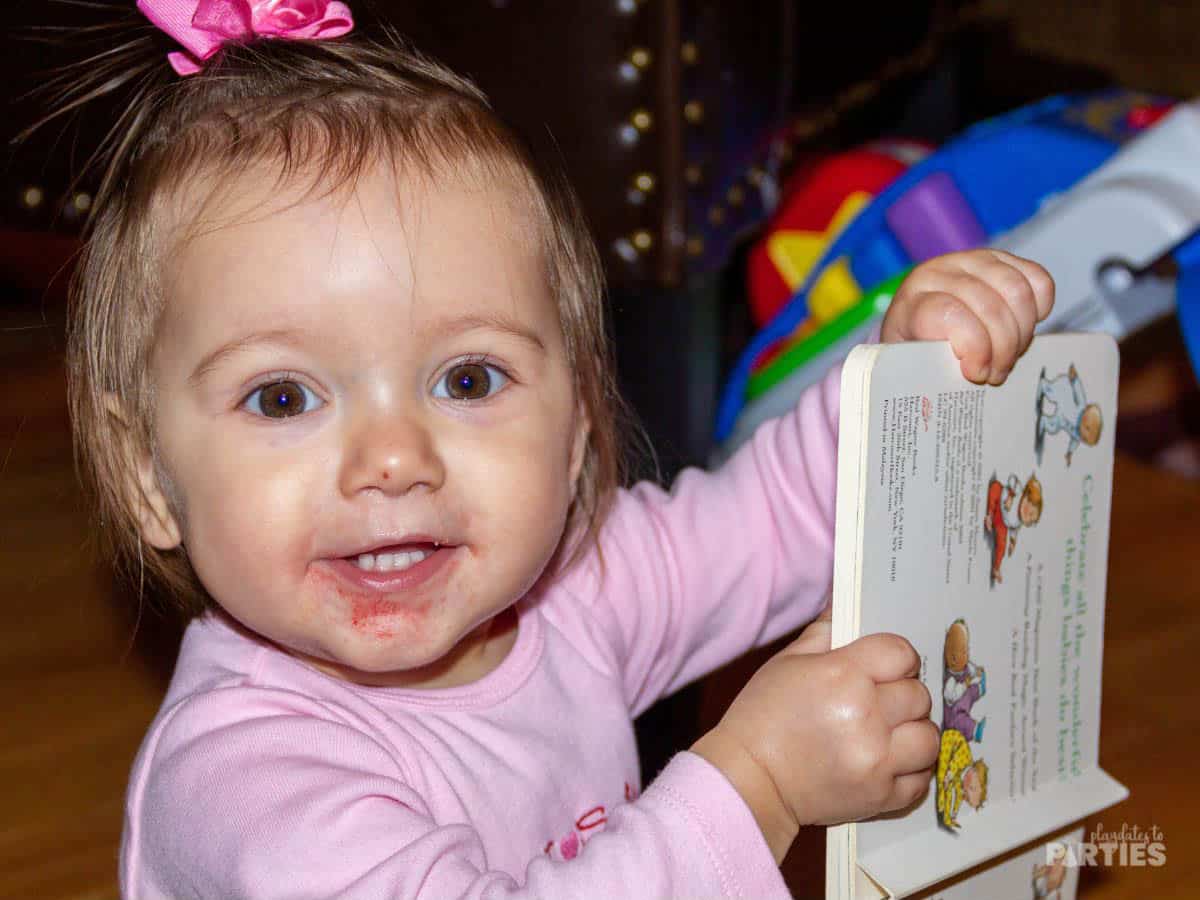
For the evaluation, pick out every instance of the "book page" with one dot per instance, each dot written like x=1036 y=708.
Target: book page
x=985 y=544
x=1044 y=872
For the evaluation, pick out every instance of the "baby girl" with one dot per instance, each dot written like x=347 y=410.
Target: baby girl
x=341 y=387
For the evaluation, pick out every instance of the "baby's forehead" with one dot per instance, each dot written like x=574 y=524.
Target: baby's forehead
x=445 y=246
x=431 y=224
x=210 y=197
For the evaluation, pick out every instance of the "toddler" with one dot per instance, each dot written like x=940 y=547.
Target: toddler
x=340 y=384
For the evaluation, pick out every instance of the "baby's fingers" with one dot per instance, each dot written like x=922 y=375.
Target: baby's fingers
x=906 y=791
x=1010 y=279
x=1002 y=299
x=902 y=701
x=882 y=657
x=1039 y=280
x=914 y=750
x=915 y=747
x=945 y=315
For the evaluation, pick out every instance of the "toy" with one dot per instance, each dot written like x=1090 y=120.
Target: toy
x=1187 y=295
x=1006 y=170
x=1114 y=223
x=818 y=202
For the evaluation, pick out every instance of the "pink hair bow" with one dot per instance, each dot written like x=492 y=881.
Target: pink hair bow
x=204 y=26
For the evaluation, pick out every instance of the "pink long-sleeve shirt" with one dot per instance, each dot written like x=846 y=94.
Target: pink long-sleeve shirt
x=262 y=777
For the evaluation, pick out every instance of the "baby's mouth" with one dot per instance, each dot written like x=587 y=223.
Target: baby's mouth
x=393 y=559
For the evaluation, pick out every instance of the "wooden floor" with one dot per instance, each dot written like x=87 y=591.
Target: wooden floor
x=79 y=691
x=77 y=695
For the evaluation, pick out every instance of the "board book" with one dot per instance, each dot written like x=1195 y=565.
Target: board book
x=973 y=520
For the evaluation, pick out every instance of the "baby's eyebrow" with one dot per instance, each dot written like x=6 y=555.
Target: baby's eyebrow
x=293 y=336
x=296 y=337
x=453 y=325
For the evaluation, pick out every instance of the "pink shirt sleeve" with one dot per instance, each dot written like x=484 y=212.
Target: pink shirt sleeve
x=726 y=561
x=265 y=795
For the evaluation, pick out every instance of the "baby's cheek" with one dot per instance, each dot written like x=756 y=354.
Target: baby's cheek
x=247 y=522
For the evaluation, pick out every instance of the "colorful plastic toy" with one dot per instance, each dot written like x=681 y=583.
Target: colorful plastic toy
x=817 y=203
x=998 y=175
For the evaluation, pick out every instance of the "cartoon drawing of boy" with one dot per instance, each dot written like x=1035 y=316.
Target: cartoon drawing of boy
x=959 y=778
x=964 y=683
x=1006 y=514
x=1062 y=406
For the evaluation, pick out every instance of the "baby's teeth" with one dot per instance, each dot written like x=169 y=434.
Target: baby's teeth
x=388 y=562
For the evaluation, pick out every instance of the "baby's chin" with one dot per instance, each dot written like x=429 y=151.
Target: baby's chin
x=378 y=668
x=384 y=659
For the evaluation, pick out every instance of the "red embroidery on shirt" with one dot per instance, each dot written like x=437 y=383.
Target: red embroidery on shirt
x=589 y=823
x=569 y=847
x=593 y=818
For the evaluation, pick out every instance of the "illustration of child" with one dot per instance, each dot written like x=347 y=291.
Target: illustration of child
x=959 y=777
x=1006 y=515
x=341 y=388
x=1048 y=878
x=964 y=684
x=1062 y=406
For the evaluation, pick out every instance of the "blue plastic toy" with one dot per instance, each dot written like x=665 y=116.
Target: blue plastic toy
x=1006 y=169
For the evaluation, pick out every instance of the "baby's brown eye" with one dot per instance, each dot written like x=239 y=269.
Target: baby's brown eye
x=281 y=400
x=469 y=381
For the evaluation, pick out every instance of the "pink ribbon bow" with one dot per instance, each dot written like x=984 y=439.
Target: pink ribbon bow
x=204 y=26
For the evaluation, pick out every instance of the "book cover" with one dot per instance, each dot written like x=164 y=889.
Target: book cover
x=973 y=520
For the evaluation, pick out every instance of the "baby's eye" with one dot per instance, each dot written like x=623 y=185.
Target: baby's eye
x=470 y=381
x=282 y=399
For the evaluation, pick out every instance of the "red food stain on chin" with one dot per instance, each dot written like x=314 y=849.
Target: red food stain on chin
x=367 y=608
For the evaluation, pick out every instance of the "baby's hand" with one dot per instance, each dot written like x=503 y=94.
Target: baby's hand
x=819 y=737
x=985 y=302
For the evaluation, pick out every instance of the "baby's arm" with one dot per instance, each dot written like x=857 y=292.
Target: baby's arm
x=734 y=558
x=299 y=801
x=725 y=561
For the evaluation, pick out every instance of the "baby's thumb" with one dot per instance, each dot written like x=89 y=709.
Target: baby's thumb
x=816 y=638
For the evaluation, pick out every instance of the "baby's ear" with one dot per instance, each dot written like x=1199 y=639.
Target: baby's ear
x=140 y=482
x=583 y=429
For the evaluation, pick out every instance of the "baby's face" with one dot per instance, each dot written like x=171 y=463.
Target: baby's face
x=417 y=393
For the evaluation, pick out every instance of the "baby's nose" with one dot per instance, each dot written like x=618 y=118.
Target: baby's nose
x=393 y=454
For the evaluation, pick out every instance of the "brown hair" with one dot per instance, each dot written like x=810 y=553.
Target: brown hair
x=1033 y=492
x=327 y=111
x=981 y=769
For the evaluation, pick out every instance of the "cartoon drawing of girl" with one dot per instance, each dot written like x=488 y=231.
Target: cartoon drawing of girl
x=1006 y=515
